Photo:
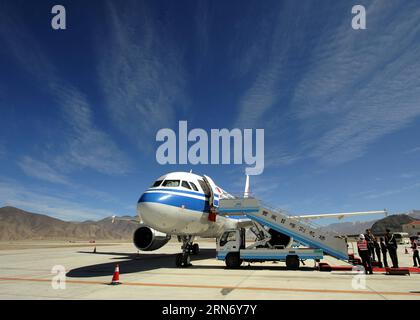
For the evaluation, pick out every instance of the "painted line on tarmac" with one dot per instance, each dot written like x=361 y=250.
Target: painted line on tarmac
x=199 y=286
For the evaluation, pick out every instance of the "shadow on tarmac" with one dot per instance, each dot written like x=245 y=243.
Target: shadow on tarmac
x=133 y=262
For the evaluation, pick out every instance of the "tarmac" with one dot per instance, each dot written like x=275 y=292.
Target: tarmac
x=26 y=273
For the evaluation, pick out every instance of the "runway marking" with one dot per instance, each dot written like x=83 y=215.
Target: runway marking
x=199 y=286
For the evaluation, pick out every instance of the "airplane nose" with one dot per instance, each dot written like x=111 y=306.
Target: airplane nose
x=145 y=212
x=152 y=212
x=142 y=208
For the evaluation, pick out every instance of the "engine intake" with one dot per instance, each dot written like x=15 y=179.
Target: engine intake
x=148 y=239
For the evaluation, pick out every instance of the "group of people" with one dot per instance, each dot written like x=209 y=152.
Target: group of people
x=370 y=249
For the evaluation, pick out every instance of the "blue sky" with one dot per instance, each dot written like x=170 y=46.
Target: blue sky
x=80 y=108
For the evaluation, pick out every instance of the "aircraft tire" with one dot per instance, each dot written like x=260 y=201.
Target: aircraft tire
x=233 y=260
x=179 y=260
x=186 y=262
x=292 y=262
x=195 y=249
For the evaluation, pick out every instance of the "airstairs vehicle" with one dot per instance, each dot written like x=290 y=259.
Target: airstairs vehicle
x=232 y=249
x=314 y=241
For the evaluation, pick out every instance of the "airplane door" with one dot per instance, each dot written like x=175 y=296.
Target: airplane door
x=214 y=193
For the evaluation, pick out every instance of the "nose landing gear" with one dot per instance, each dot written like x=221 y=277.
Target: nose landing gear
x=182 y=260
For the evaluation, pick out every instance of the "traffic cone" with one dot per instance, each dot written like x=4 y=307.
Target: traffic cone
x=116 y=276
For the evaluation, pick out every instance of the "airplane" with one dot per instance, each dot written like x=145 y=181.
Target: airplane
x=184 y=204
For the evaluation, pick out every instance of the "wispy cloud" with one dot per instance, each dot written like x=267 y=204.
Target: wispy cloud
x=271 y=60
x=352 y=89
x=375 y=195
x=143 y=77
x=413 y=150
x=264 y=91
x=362 y=85
x=41 y=170
x=408 y=175
x=277 y=157
x=17 y=195
x=203 y=18
x=278 y=36
x=85 y=145
x=88 y=146
x=2 y=151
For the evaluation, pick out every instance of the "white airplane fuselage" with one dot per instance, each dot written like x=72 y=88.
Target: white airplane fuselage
x=178 y=204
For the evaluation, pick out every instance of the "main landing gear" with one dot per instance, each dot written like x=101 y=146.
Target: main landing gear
x=182 y=260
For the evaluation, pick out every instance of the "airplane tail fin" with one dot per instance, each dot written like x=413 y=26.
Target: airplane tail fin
x=247 y=192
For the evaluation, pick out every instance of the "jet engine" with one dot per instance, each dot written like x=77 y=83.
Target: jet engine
x=279 y=239
x=148 y=239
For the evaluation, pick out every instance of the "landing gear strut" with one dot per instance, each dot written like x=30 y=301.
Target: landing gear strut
x=183 y=259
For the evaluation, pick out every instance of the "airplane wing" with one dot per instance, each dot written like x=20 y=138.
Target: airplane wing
x=224 y=194
x=338 y=215
x=125 y=219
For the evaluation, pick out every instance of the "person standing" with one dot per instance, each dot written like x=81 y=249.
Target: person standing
x=363 y=249
x=384 y=250
x=414 y=246
x=371 y=247
x=377 y=250
x=391 y=244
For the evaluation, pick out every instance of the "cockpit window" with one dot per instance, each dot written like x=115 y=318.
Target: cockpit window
x=204 y=187
x=185 y=185
x=157 y=183
x=193 y=186
x=171 y=183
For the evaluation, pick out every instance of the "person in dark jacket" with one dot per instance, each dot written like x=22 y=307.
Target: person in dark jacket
x=414 y=246
x=384 y=250
x=391 y=245
x=363 y=249
x=377 y=249
x=371 y=247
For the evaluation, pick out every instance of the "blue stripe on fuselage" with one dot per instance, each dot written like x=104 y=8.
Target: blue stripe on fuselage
x=176 y=201
x=195 y=193
x=242 y=217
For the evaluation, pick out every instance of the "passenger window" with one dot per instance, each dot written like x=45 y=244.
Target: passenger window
x=157 y=183
x=185 y=185
x=204 y=187
x=193 y=186
x=171 y=183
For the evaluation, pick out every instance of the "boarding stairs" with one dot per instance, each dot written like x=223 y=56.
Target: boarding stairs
x=300 y=230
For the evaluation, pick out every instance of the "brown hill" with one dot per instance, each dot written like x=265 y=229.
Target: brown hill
x=348 y=228
x=16 y=224
x=393 y=222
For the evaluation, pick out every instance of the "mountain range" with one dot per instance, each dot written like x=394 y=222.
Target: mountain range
x=17 y=224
